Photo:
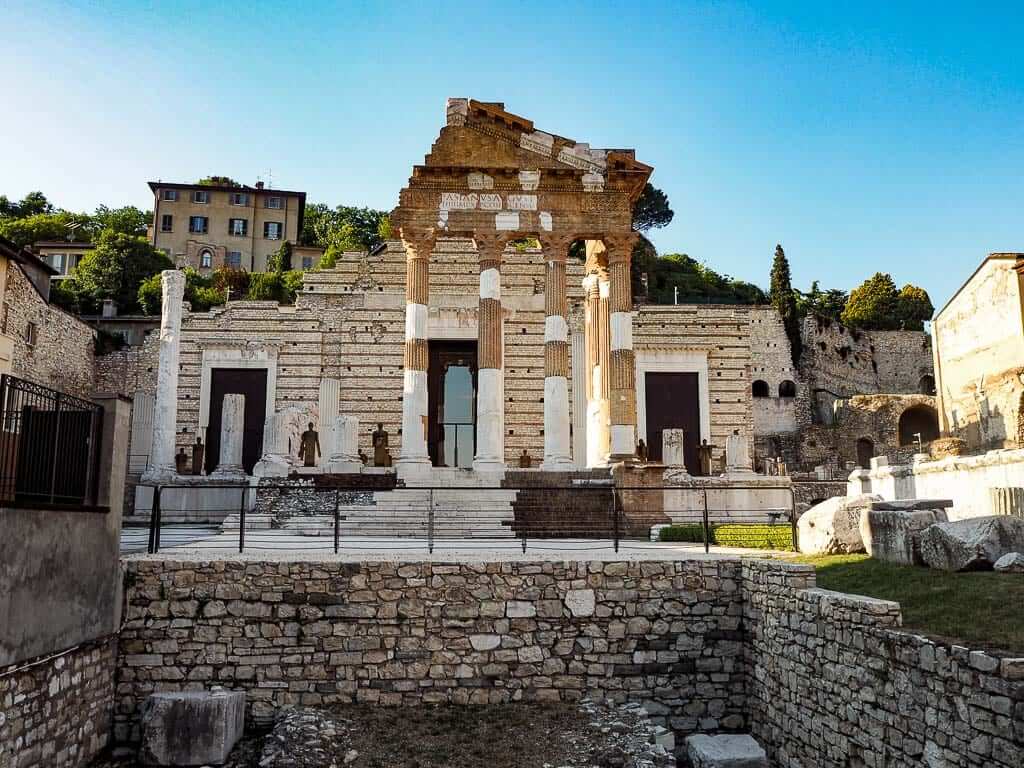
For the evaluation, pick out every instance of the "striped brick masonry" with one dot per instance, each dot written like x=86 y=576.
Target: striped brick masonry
x=490 y=399
x=556 y=356
x=165 y=414
x=622 y=378
x=414 y=387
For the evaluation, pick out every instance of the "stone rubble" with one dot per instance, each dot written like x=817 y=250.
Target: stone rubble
x=833 y=526
x=304 y=737
x=974 y=544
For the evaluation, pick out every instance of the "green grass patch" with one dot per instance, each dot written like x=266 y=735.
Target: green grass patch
x=749 y=535
x=981 y=609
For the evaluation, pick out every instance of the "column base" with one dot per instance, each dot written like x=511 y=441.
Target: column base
x=488 y=465
x=413 y=468
x=160 y=476
x=343 y=467
x=272 y=465
x=230 y=472
x=558 y=464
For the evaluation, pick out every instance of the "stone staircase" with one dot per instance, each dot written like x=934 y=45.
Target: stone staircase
x=461 y=512
x=567 y=505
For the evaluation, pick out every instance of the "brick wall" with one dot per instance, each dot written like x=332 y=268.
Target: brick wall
x=62 y=356
x=831 y=681
x=57 y=712
x=314 y=633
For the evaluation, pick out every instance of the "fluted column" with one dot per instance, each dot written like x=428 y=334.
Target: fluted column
x=622 y=367
x=556 y=357
x=414 y=387
x=490 y=397
x=165 y=412
x=595 y=286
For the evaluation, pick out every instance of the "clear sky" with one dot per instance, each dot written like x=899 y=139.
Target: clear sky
x=862 y=136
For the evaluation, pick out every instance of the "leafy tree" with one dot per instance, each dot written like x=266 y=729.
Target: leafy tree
x=149 y=295
x=45 y=226
x=127 y=220
x=63 y=294
x=218 y=181
x=873 y=305
x=115 y=269
x=828 y=303
x=696 y=283
x=384 y=231
x=915 y=307
x=35 y=203
x=329 y=260
x=201 y=292
x=651 y=210
x=346 y=227
x=783 y=299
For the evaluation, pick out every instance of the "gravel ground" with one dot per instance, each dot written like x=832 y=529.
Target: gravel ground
x=502 y=736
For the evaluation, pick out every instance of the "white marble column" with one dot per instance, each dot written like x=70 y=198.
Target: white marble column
x=413 y=458
x=490 y=398
x=165 y=413
x=672 y=448
x=344 y=446
x=556 y=357
x=275 y=461
x=578 y=367
x=232 y=432
x=143 y=407
x=330 y=397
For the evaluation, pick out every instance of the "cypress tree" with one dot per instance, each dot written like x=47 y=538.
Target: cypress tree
x=784 y=300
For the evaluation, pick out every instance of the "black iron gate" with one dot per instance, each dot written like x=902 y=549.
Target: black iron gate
x=49 y=445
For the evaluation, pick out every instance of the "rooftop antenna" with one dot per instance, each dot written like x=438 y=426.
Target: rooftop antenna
x=71 y=230
x=270 y=178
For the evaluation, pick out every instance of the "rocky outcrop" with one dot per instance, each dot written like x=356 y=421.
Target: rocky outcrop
x=833 y=527
x=971 y=545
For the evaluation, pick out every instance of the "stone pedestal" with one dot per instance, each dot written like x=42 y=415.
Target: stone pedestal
x=737 y=456
x=191 y=728
x=232 y=432
x=165 y=412
x=672 y=455
x=344 y=446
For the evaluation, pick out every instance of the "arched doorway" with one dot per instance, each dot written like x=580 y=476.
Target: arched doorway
x=759 y=388
x=865 y=451
x=787 y=389
x=918 y=420
x=926 y=386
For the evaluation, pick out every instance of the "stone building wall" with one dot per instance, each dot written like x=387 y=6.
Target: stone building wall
x=315 y=633
x=839 y=362
x=130 y=370
x=979 y=353
x=55 y=712
x=62 y=356
x=831 y=681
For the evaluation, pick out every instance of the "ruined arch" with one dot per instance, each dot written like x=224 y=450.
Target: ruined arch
x=787 y=389
x=926 y=385
x=916 y=419
x=865 y=451
x=759 y=388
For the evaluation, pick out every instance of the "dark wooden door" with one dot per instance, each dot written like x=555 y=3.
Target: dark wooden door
x=237 y=381
x=673 y=402
x=451 y=426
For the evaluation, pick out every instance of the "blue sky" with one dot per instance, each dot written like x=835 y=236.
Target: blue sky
x=886 y=136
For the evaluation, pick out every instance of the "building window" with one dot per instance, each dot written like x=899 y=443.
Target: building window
x=238 y=227
x=272 y=230
x=170 y=195
x=273 y=202
x=166 y=222
x=307 y=262
x=205 y=259
x=239 y=198
x=787 y=389
x=759 y=388
x=200 y=196
x=31 y=334
x=234 y=259
x=56 y=260
x=198 y=224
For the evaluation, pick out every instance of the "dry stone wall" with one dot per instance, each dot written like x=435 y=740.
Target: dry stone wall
x=832 y=681
x=314 y=633
x=56 y=711
x=62 y=355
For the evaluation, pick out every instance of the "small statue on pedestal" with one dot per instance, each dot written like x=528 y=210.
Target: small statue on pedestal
x=181 y=461
x=704 y=453
x=198 y=453
x=381 y=455
x=309 y=446
x=641 y=451
x=525 y=462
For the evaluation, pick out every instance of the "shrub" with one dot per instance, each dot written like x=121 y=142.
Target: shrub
x=265 y=286
x=749 y=535
x=690 y=532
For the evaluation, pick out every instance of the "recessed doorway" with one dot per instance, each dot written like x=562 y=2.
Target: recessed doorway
x=451 y=403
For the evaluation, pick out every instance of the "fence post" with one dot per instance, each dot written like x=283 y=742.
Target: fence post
x=615 y=519
x=241 y=521
x=707 y=524
x=792 y=519
x=430 y=524
x=56 y=449
x=154 y=522
x=337 y=521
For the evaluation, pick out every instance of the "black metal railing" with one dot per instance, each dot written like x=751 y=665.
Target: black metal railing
x=287 y=516
x=49 y=446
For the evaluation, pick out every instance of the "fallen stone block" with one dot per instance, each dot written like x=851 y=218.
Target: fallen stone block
x=889 y=528
x=833 y=527
x=970 y=545
x=191 y=727
x=1010 y=563
x=725 y=751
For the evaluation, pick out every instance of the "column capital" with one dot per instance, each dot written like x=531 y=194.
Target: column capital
x=555 y=247
x=490 y=245
x=417 y=244
x=619 y=247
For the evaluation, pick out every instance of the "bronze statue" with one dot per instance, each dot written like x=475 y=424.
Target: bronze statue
x=309 y=446
x=198 y=452
x=181 y=461
x=363 y=457
x=641 y=451
x=525 y=462
x=704 y=453
x=381 y=455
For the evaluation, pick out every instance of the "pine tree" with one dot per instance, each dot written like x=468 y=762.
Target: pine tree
x=784 y=300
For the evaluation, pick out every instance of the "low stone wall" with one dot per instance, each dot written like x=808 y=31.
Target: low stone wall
x=666 y=634
x=56 y=711
x=964 y=479
x=831 y=681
